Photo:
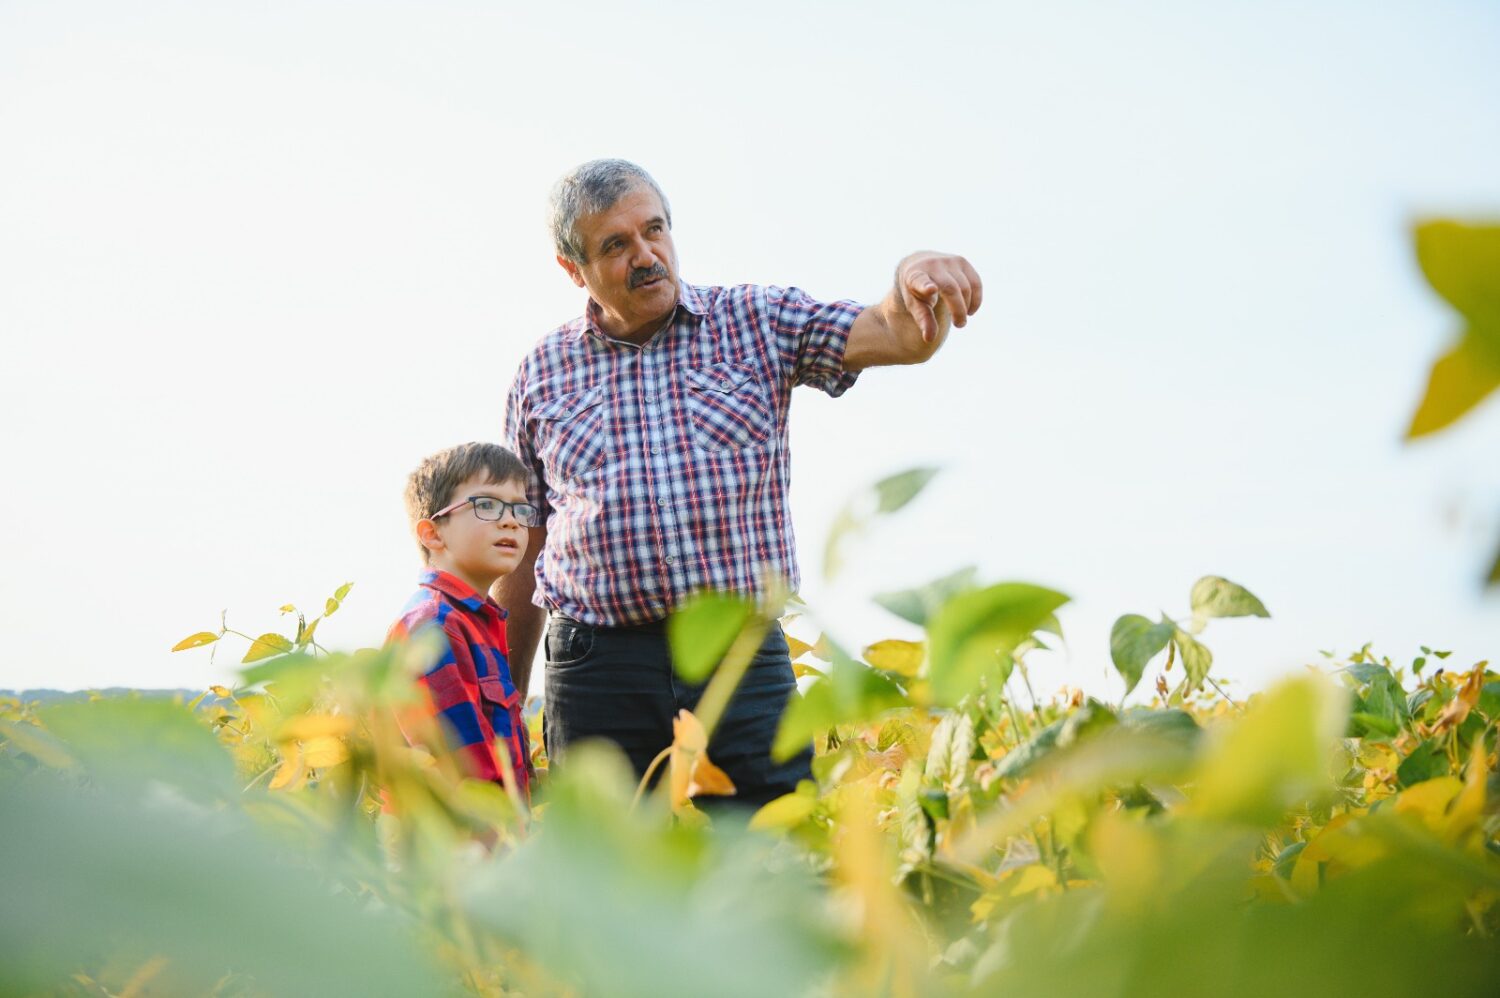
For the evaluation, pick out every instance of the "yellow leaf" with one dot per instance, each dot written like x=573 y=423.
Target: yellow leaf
x=1429 y=800
x=784 y=812
x=1129 y=855
x=267 y=646
x=325 y=751
x=797 y=648
x=1033 y=878
x=689 y=770
x=291 y=774
x=901 y=657
x=1459 y=381
x=196 y=640
x=222 y=692
x=1468 y=806
x=801 y=669
x=307 y=633
x=308 y=726
x=288 y=608
x=823 y=650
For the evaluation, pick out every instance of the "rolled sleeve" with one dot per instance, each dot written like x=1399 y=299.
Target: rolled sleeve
x=811 y=337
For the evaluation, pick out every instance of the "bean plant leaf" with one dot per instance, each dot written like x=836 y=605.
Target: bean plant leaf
x=901 y=657
x=919 y=604
x=1196 y=659
x=1494 y=577
x=1427 y=761
x=892 y=493
x=702 y=631
x=952 y=744
x=1133 y=642
x=1462 y=263
x=337 y=599
x=976 y=632
x=196 y=641
x=267 y=646
x=1276 y=756
x=851 y=693
x=888 y=495
x=1216 y=597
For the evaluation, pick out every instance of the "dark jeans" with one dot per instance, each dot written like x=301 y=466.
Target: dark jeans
x=617 y=683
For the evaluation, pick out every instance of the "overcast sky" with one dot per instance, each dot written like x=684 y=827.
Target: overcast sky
x=257 y=259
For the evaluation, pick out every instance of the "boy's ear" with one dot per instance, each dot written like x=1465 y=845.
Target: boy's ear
x=571 y=268
x=428 y=536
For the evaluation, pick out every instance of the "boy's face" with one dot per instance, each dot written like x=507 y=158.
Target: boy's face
x=477 y=551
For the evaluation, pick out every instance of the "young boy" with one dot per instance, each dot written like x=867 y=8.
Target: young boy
x=468 y=509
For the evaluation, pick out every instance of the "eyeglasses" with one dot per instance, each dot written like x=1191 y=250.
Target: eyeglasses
x=490 y=508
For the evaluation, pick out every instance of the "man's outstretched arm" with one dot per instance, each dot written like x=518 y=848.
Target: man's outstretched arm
x=524 y=620
x=932 y=291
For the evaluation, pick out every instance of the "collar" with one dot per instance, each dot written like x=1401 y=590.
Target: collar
x=689 y=299
x=457 y=590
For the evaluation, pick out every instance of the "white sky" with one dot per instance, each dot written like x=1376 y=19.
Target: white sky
x=257 y=259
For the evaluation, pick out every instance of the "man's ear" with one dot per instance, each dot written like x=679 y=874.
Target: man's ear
x=571 y=268
x=428 y=536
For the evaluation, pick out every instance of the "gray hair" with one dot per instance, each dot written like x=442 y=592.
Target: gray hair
x=593 y=187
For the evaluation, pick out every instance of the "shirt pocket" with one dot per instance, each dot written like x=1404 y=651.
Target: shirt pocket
x=571 y=433
x=728 y=408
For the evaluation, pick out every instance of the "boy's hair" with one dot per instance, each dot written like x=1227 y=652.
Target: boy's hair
x=431 y=486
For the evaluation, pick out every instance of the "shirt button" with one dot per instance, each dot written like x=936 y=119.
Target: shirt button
x=661 y=502
x=656 y=450
x=669 y=559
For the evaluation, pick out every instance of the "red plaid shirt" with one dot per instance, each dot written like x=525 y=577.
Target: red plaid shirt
x=469 y=688
x=663 y=468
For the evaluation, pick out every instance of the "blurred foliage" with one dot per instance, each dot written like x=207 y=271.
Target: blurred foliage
x=301 y=833
x=1461 y=260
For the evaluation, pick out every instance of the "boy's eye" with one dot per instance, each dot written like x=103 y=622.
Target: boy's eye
x=485 y=505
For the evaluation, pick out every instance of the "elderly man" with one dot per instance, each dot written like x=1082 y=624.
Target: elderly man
x=655 y=428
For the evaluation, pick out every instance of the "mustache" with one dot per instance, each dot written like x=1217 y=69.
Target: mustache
x=641 y=275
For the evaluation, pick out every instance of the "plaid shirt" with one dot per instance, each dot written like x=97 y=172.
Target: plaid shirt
x=469 y=688
x=663 y=468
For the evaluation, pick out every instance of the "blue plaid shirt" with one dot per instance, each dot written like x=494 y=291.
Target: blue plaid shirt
x=663 y=468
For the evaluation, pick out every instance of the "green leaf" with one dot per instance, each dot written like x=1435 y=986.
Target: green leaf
x=893 y=493
x=266 y=646
x=702 y=631
x=134 y=740
x=1133 y=642
x=975 y=633
x=1088 y=720
x=1427 y=761
x=1460 y=380
x=1275 y=757
x=1216 y=597
x=1493 y=579
x=886 y=496
x=40 y=744
x=337 y=599
x=709 y=914
x=1364 y=724
x=1031 y=751
x=952 y=744
x=1196 y=659
x=851 y=694
x=918 y=605
x=196 y=640
x=1169 y=723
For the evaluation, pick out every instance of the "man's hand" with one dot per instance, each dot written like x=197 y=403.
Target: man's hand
x=932 y=292
x=927 y=280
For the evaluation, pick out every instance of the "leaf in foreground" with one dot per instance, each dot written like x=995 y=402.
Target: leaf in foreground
x=975 y=632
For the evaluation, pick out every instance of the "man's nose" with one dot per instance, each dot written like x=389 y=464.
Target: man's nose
x=641 y=255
